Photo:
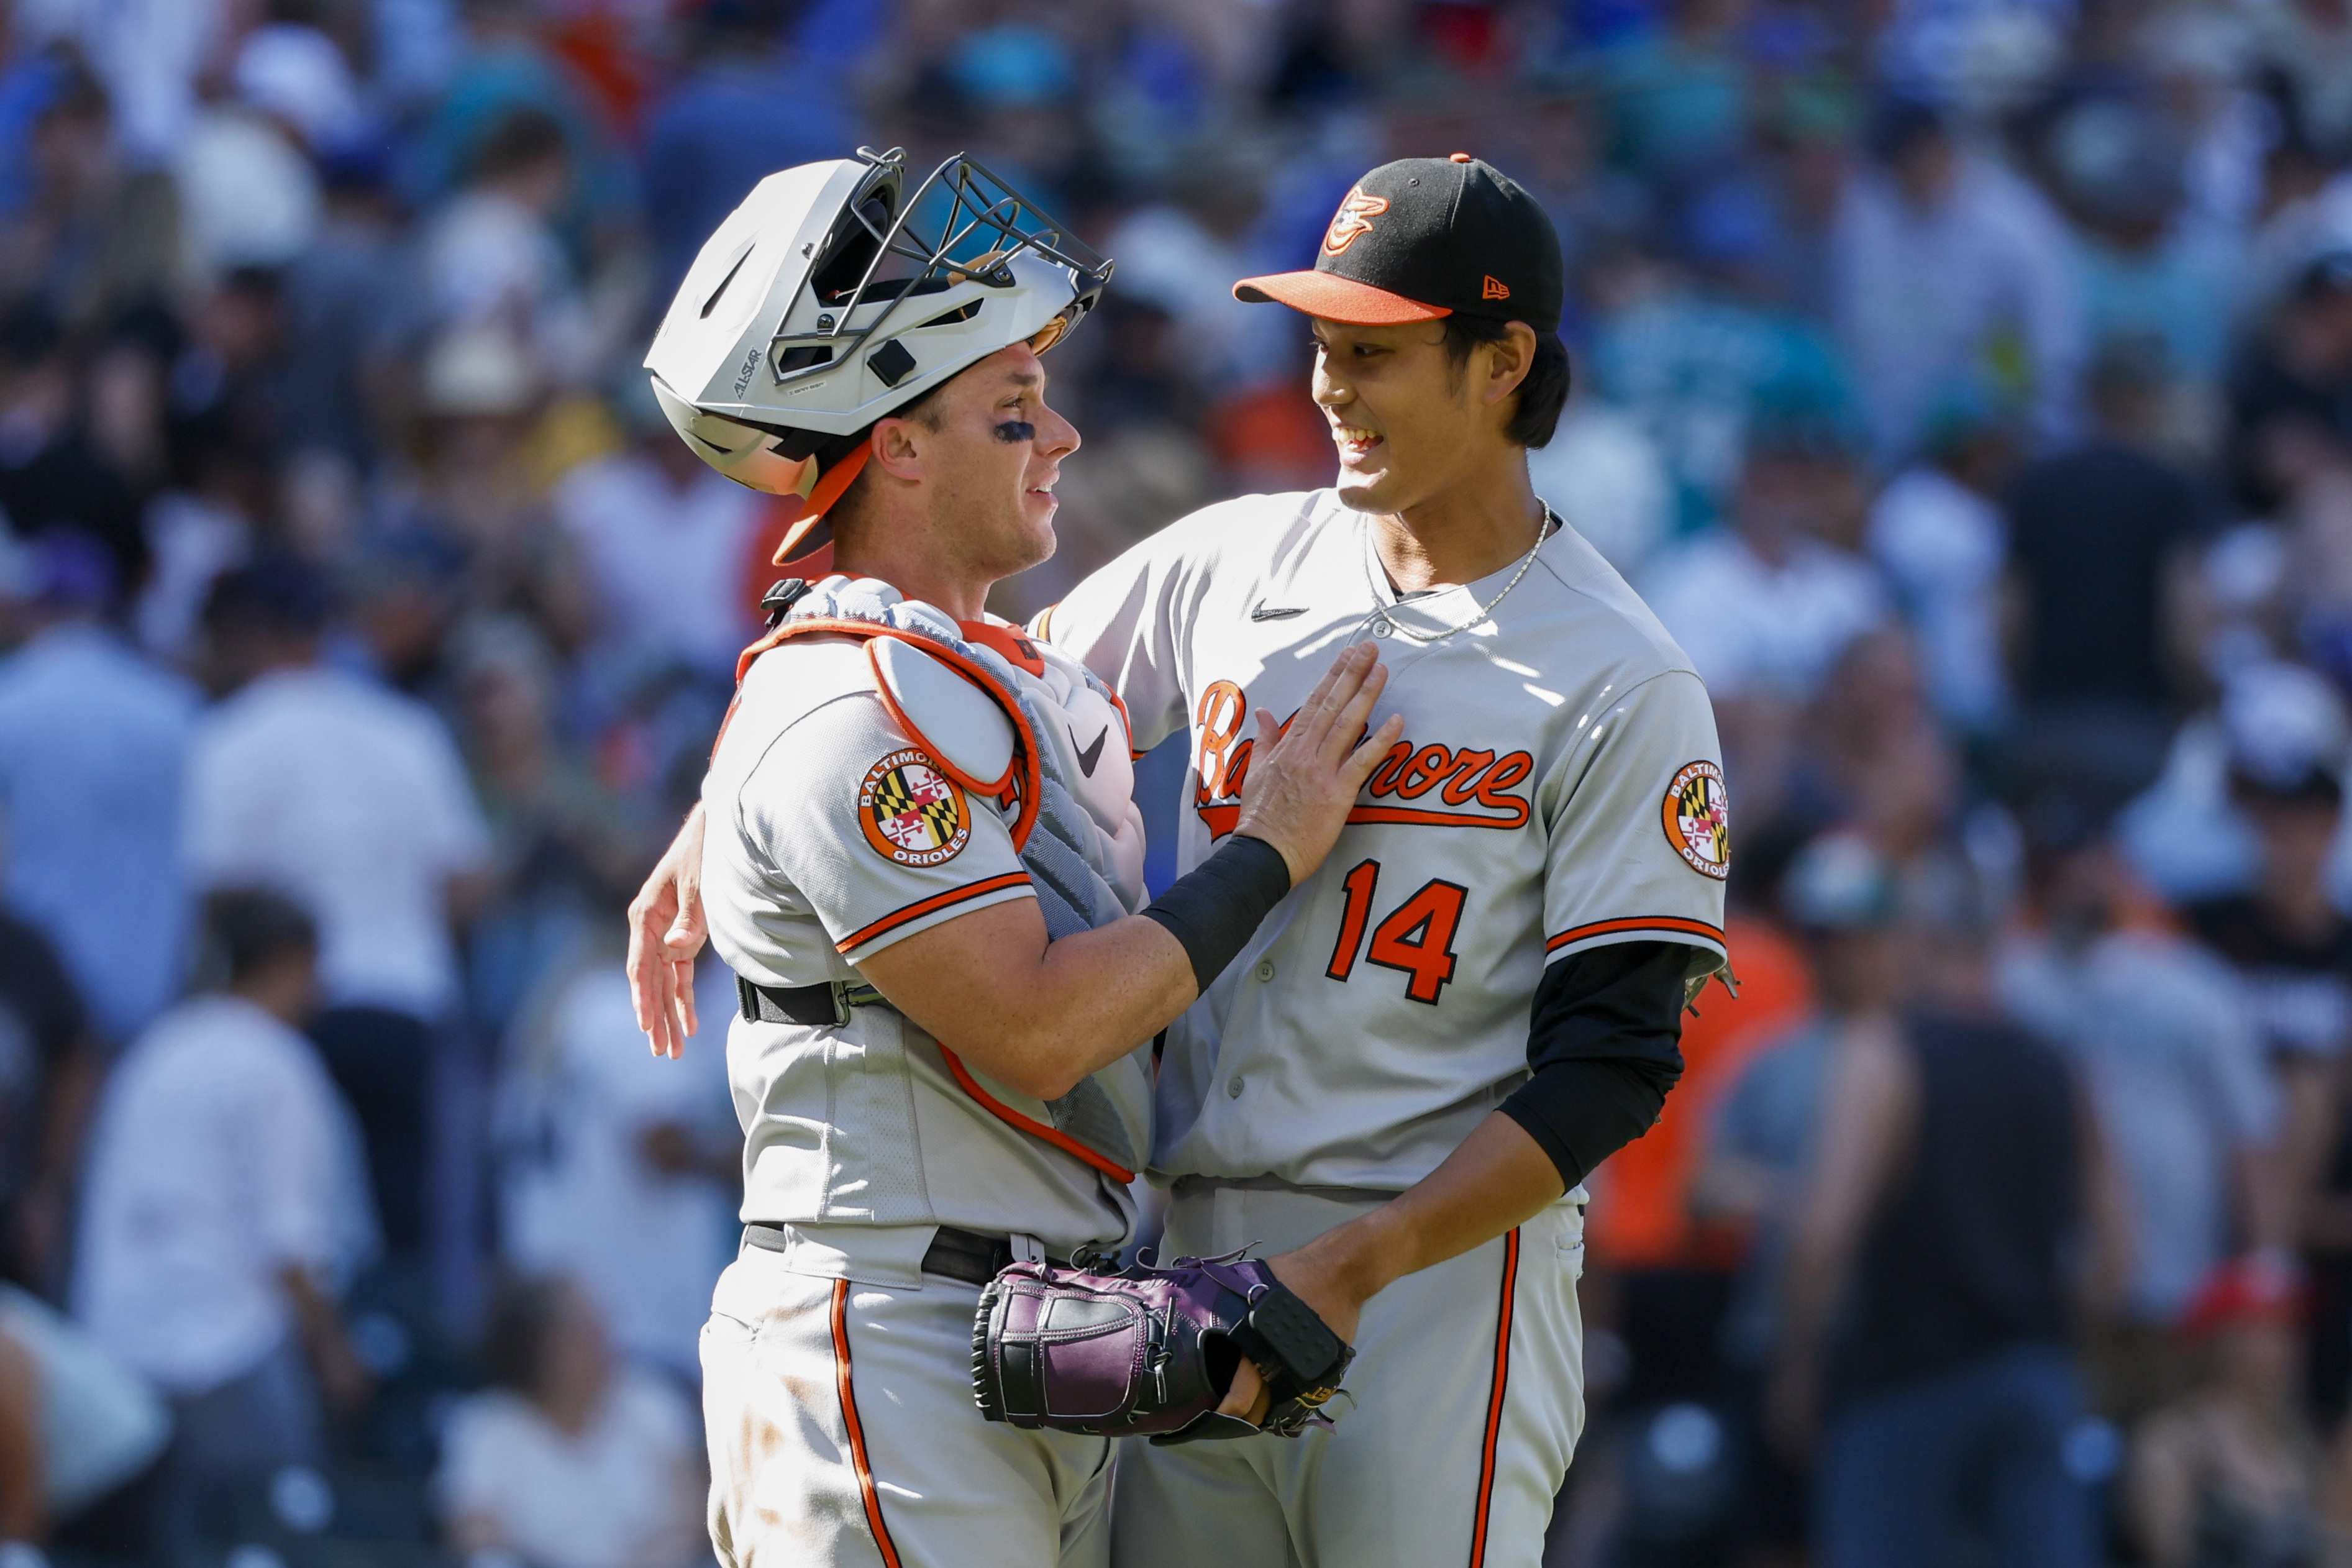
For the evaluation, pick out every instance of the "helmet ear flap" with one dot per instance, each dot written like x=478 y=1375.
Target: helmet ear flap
x=743 y=452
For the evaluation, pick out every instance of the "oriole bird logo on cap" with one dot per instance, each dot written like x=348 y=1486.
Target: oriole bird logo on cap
x=1353 y=220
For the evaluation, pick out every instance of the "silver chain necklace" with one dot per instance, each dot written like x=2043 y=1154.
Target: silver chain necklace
x=1381 y=617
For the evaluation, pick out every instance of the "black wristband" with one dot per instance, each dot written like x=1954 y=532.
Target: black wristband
x=1215 y=907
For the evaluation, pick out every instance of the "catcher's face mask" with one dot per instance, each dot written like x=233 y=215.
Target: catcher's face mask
x=962 y=225
x=835 y=296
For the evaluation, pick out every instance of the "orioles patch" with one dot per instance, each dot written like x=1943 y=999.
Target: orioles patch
x=1353 y=220
x=1697 y=816
x=913 y=814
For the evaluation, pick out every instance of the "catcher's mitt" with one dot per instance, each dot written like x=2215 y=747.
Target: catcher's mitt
x=1150 y=1352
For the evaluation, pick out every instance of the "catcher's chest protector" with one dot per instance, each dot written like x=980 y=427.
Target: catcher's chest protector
x=1033 y=733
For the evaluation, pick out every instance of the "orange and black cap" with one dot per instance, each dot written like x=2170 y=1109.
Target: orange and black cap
x=1425 y=237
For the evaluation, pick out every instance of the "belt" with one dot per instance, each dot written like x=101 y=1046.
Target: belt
x=954 y=1254
x=812 y=1005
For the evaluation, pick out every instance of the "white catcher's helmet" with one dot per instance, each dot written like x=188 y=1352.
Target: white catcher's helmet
x=832 y=299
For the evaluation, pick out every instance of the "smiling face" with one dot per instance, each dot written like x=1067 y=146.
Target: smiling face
x=996 y=451
x=1408 y=420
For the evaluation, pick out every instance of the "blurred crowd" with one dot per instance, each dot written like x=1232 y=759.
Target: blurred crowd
x=1966 y=383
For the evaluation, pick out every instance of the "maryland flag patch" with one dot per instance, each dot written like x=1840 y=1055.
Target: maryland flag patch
x=913 y=815
x=1697 y=816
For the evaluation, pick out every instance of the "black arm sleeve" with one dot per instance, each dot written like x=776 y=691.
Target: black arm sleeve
x=1604 y=1043
x=1217 y=907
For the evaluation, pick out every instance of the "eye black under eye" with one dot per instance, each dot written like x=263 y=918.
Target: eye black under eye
x=1013 y=431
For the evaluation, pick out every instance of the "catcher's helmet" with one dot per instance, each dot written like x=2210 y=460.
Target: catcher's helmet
x=832 y=298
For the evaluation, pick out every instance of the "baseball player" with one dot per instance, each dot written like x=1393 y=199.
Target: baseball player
x=923 y=866
x=1396 y=1090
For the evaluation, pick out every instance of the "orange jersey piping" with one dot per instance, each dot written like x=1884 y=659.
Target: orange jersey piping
x=865 y=1487
x=1674 y=923
x=931 y=905
x=1487 y=1454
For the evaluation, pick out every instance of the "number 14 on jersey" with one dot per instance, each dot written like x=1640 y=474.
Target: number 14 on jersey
x=1416 y=937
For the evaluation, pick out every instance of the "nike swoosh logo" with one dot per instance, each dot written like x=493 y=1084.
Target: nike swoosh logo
x=1262 y=613
x=1092 y=755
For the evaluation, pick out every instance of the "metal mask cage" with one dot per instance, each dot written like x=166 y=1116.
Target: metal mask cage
x=982 y=223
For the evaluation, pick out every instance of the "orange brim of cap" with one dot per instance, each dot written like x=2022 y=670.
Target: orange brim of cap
x=1336 y=299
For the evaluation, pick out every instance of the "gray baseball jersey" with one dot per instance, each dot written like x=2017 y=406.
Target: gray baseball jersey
x=841 y=824
x=1560 y=787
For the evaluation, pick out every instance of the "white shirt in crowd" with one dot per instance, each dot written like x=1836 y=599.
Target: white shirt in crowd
x=1921 y=293
x=350 y=799
x=579 y=1195
x=669 y=564
x=1943 y=546
x=221 y=1155
x=1749 y=625
x=2159 y=1030
x=601 y=1500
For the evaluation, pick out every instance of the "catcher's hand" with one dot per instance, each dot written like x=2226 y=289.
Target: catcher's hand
x=665 y=932
x=1150 y=1352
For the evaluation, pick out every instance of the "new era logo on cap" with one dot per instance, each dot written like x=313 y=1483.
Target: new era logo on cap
x=1413 y=241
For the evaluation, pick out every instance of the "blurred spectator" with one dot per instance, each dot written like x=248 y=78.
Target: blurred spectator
x=1602 y=475
x=1939 y=251
x=2291 y=400
x=290 y=71
x=149 y=53
x=2097 y=648
x=1697 y=358
x=490 y=257
x=2160 y=1033
x=227 y=409
x=1871 y=756
x=351 y=798
x=79 y=1432
x=2119 y=166
x=224 y=1209
x=93 y=748
x=1840 y=895
x=1661 y=1263
x=666 y=538
x=1937 y=532
x=475 y=500
x=50 y=1072
x=2233 y=1472
x=561 y=844
x=2292 y=949
x=49 y=477
x=1678 y=93
x=248 y=196
x=1766 y=606
x=94 y=235
x=621 y=1169
x=572 y=1460
x=1952 y=1172
x=343 y=308
x=1179 y=256
x=746 y=106
x=505 y=69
